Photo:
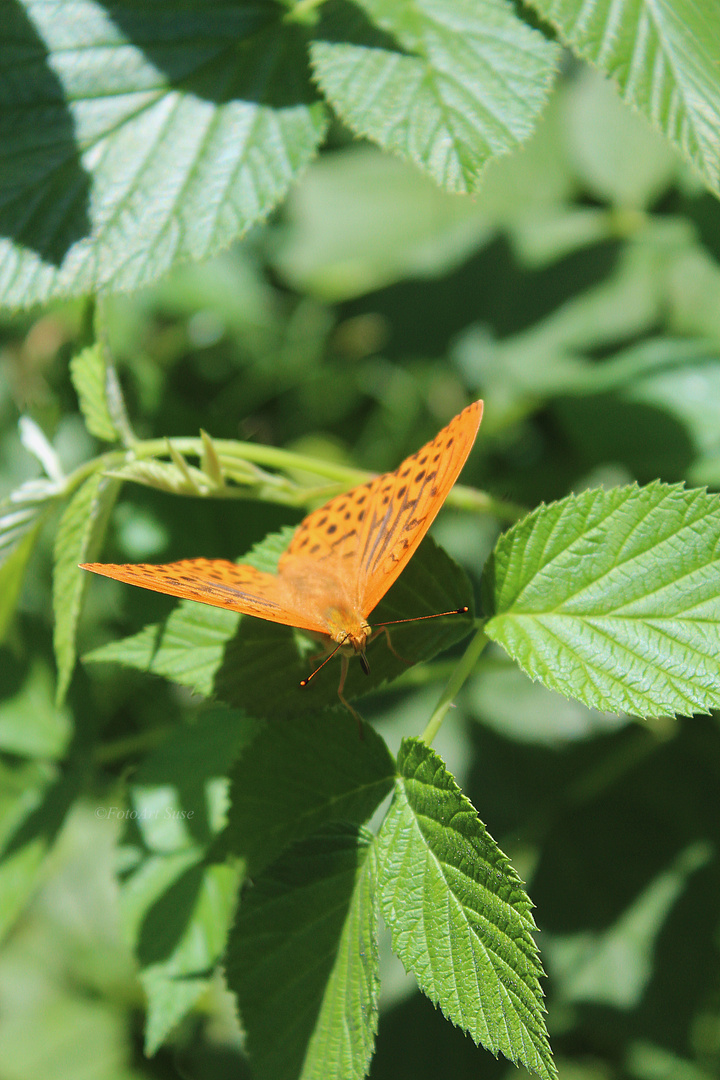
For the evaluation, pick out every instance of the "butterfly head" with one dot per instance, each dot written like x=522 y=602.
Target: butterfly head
x=348 y=631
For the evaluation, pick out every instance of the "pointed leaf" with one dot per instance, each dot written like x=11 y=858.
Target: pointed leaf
x=12 y=572
x=135 y=136
x=166 y=476
x=459 y=916
x=34 y=803
x=664 y=57
x=303 y=957
x=79 y=534
x=22 y=512
x=89 y=374
x=295 y=777
x=449 y=84
x=613 y=597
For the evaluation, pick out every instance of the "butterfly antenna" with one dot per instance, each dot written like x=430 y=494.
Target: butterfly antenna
x=312 y=674
x=420 y=618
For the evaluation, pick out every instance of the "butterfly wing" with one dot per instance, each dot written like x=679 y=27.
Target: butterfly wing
x=369 y=534
x=218 y=582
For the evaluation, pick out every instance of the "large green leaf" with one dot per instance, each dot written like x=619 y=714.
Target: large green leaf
x=613 y=597
x=135 y=136
x=664 y=56
x=303 y=957
x=295 y=777
x=448 y=84
x=459 y=916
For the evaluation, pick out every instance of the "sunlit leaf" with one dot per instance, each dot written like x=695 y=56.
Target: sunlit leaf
x=459 y=916
x=613 y=597
x=136 y=136
x=448 y=84
x=664 y=58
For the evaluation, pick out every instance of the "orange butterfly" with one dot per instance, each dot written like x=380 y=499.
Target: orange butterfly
x=343 y=558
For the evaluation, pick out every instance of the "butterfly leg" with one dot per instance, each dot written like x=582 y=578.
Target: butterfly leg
x=344 y=664
x=384 y=630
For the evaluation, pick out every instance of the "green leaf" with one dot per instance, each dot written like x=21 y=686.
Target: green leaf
x=12 y=572
x=21 y=513
x=361 y=219
x=613 y=597
x=79 y=535
x=295 y=777
x=303 y=957
x=31 y=724
x=34 y=802
x=215 y=651
x=187 y=647
x=166 y=476
x=189 y=923
x=664 y=58
x=614 y=965
x=89 y=375
x=458 y=914
x=448 y=84
x=139 y=136
x=177 y=906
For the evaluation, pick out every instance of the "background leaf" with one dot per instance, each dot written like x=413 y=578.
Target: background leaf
x=613 y=597
x=178 y=902
x=663 y=57
x=294 y=778
x=90 y=378
x=79 y=534
x=135 y=137
x=447 y=84
x=305 y=944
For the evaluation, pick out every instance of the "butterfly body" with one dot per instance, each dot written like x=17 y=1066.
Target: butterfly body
x=343 y=557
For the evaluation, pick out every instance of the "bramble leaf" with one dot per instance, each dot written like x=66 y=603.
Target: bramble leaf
x=613 y=597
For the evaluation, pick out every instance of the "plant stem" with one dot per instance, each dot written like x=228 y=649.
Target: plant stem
x=340 y=477
x=463 y=669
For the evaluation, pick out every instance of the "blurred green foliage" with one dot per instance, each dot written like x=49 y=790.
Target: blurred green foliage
x=579 y=294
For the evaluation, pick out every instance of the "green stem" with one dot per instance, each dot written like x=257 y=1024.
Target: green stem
x=463 y=669
x=343 y=476
x=132 y=746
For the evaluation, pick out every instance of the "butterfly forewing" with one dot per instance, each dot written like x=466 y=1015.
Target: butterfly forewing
x=238 y=587
x=367 y=536
x=403 y=505
x=332 y=533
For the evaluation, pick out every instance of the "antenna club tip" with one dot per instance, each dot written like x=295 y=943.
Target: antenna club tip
x=304 y=682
